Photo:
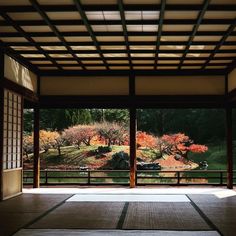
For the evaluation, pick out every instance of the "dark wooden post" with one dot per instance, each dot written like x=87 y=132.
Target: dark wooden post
x=1 y=121
x=133 y=125
x=229 y=148
x=132 y=138
x=36 y=148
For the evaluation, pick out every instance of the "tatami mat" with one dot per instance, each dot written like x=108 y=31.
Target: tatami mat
x=221 y=211
x=164 y=216
x=82 y=216
x=46 y=232
x=127 y=198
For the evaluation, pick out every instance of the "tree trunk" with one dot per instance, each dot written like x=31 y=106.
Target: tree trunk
x=59 y=150
x=109 y=143
x=88 y=142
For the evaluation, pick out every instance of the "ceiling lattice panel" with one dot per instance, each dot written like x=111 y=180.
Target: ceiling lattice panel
x=122 y=35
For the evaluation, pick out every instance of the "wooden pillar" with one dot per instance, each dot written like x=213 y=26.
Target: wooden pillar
x=36 y=149
x=229 y=133
x=132 y=138
x=1 y=121
x=133 y=126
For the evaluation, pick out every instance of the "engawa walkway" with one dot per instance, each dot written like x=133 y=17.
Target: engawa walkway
x=120 y=211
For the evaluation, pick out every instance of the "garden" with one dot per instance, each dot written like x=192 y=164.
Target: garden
x=98 y=140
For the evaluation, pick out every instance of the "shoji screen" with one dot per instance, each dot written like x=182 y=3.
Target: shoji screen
x=12 y=144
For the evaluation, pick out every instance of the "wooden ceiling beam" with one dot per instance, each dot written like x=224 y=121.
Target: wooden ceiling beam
x=195 y=30
x=134 y=43
x=228 y=33
x=112 y=34
x=173 y=51
x=125 y=32
x=114 y=7
x=90 y=30
x=118 y=22
x=56 y=32
x=23 y=34
x=159 y=32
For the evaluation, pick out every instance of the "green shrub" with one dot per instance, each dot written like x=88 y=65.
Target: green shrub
x=104 y=149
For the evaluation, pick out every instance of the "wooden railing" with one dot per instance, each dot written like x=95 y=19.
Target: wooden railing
x=185 y=177
x=121 y=177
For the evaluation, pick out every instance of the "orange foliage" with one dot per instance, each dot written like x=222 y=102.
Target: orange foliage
x=28 y=143
x=198 y=148
x=97 y=140
x=181 y=144
x=175 y=139
x=145 y=140
x=48 y=139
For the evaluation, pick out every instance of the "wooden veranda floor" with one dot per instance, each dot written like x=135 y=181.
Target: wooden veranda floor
x=120 y=211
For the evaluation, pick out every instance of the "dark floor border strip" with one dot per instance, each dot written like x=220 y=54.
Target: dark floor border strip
x=47 y=212
x=26 y=226
x=204 y=216
x=122 y=216
x=130 y=229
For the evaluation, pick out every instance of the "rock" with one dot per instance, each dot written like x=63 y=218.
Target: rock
x=203 y=165
x=120 y=161
x=139 y=159
x=177 y=157
x=83 y=168
x=148 y=166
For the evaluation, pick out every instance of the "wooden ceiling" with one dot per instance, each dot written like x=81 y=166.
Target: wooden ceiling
x=80 y=36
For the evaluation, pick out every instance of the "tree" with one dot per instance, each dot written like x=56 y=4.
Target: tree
x=180 y=145
x=87 y=133
x=79 y=134
x=202 y=125
x=59 y=142
x=59 y=119
x=48 y=139
x=28 y=144
x=28 y=120
x=120 y=116
x=72 y=136
x=112 y=133
x=144 y=139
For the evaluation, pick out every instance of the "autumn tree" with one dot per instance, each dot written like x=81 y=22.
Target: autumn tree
x=144 y=139
x=112 y=133
x=72 y=136
x=48 y=139
x=87 y=132
x=28 y=144
x=155 y=144
x=59 y=142
x=180 y=145
x=79 y=134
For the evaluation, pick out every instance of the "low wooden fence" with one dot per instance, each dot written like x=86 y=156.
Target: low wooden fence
x=121 y=177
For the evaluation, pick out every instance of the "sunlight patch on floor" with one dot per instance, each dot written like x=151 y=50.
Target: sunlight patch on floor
x=118 y=190
x=225 y=193
x=128 y=198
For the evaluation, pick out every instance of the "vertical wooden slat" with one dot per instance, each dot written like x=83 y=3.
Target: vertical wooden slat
x=21 y=138
x=1 y=122
x=36 y=149
x=229 y=148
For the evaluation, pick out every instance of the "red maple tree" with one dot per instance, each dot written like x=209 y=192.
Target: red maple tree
x=179 y=145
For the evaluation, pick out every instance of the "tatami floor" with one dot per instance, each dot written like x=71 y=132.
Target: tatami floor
x=120 y=211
